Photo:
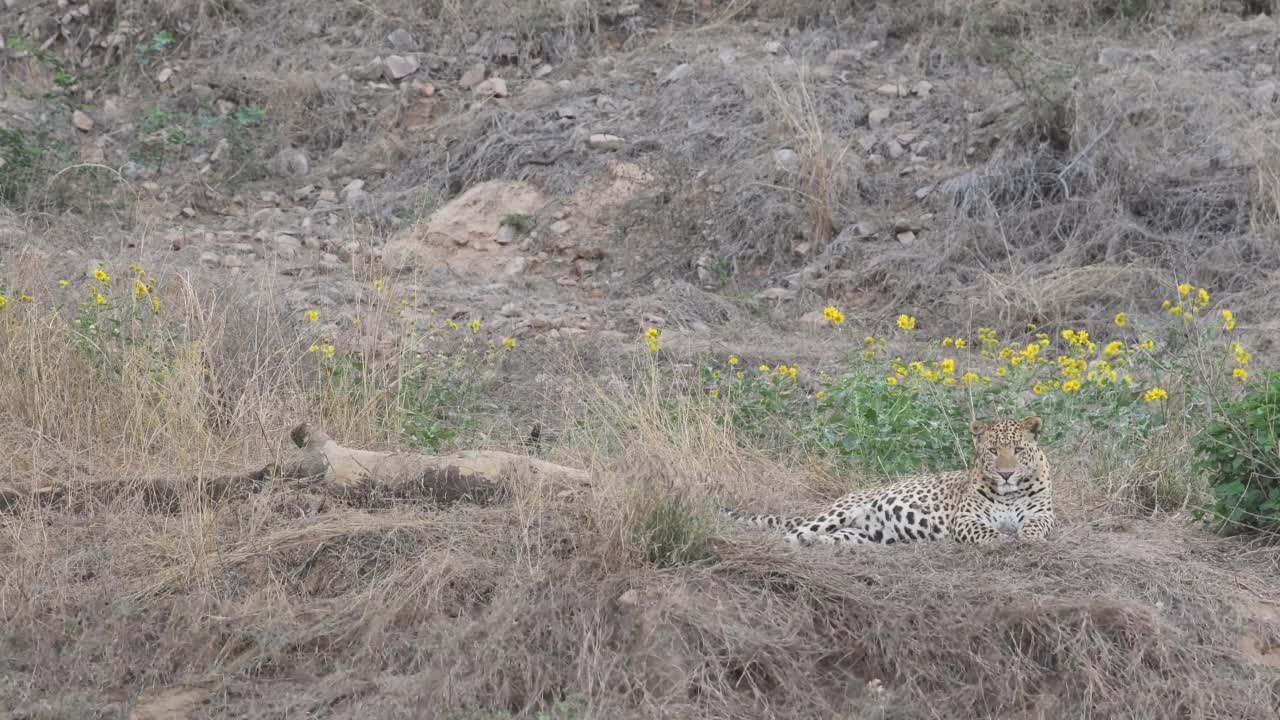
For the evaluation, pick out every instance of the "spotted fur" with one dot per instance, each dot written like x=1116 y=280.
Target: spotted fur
x=1005 y=490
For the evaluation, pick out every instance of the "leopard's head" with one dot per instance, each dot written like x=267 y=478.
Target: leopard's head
x=1008 y=452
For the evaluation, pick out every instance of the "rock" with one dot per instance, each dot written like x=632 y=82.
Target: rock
x=773 y=47
x=924 y=192
x=877 y=117
x=82 y=121
x=506 y=234
x=630 y=597
x=462 y=235
x=906 y=237
x=567 y=111
x=493 y=87
x=1264 y=95
x=472 y=76
x=603 y=141
x=222 y=148
x=560 y=227
x=510 y=310
x=210 y=258
x=891 y=90
x=678 y=73
x=542 y=70
x=286 y=246
x=353 y=191
x=894 y=149
x=368 y=72
x=400 y=66
x=786 y=159
x=164 y=75
x=289 y=162
x=232 y=261
x=403 y=41
x=922 y=89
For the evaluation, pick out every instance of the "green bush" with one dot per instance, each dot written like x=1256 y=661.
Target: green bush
x=1239 y=456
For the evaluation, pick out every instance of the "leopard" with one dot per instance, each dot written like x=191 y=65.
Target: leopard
x=1005 y=493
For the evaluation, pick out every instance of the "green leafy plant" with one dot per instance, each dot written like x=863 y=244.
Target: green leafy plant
x=1239 y=455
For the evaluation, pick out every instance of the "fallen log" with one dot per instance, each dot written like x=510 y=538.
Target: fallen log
x=476 y=476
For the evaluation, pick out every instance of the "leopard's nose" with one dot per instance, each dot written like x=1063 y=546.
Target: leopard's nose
x=1005 y=475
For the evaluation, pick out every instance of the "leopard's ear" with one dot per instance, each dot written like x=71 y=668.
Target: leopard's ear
x=977 y=427
x=1033 y=425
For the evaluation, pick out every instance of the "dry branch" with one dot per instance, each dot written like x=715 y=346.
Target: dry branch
x=477 y=476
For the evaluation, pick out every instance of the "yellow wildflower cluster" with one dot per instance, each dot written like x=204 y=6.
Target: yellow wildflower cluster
x=834 y=316
x=906 y=322
x=652 y=340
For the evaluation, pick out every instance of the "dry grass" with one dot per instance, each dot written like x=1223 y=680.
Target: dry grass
x=631 y=601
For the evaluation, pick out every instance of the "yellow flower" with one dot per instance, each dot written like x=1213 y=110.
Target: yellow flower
x=313 y=348
x=906 y=322
x=139 y=288
x=1016 y=360
x=355 y=322
x=733 y=361
x=960 y=343
x=1203 y=296
x=820 y=394
x=1185 y=289
x=948 y=366
x=1069 y=335
x=313 y=316
x=715 y=374
x=834 y=316
x=1154 y=394
x=1228 y=320
x=1001 y=372
x=97 y=298
x=892 y=380
x=451 y=324
x=3 y=301
x=1128 y=379
x=474 y=325
x=969 y=377
x=1166 y=304
x=946 y=342
x=1043 y=338
x=715 y=392
x=1070 y=386
x=764 y=368
x=792 y=371
x=1114 y=348
x=101 y=276
x=327 y=350
x=1175 y=311
x=1241 y=374
x=378 y=285
x=1147 y=345
x=1242 y=355
x=1038 y=389
x=1031 y=351
x=509 y=343
x=63 y=283
x=1120 y=319
x=949 y=381
x=155 y=305
x=740 y=374
x=24 y=298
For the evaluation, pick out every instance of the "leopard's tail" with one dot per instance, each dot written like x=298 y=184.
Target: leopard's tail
x=757 y=520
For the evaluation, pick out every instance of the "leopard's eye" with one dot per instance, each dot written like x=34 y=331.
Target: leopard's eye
x=993 y=451
x=1018 y=450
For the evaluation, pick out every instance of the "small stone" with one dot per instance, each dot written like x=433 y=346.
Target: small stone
x=542 y=70
x=210 y=258
x=375 y=69
x=894 y=149
x=560 y=227
x=679 y=73
x=506 y=234
x=786 y=159
x=329 y=258
x=493 y=87
x=905 y=237
x=289 y=162
x=922 y=89
x=604 y=141
x=773 y=47
x=1264 y=95
x=924 y=192
x=232 y=261
x=891 y=90
x=877 y=117
x=472 y=76
x=400 y=66
x=82 y=121
x=353 y=191
x=510 y=310
x=402 y=40
x=567 y=111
